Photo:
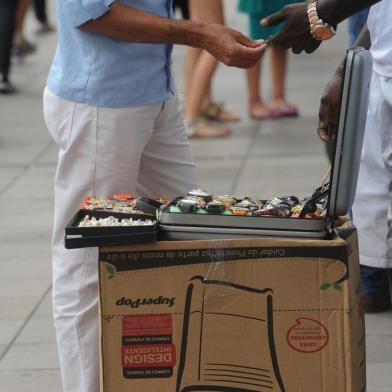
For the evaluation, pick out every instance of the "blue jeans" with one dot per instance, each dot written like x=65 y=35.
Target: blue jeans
x=356 y=23
x=375 y=282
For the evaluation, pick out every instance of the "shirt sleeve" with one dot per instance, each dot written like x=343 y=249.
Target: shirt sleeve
x=79 y=12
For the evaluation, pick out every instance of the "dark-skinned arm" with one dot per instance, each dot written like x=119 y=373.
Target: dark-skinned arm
x=129 y=24
x=296 y=32
x=335 y=11
x=329 y=107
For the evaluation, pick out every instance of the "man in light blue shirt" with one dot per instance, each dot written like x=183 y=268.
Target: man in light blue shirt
x=110 y=69
x=111 y=107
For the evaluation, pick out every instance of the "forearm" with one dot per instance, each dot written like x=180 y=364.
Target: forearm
x=129 y=24
x=335 y=11
x=132 y=25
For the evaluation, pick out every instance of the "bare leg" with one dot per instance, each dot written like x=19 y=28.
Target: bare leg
x=200 y=68
x=199 y=85
x=22 y=46
x=257 y=108
x=191 y=59
x=279 y=71
x=20 y=19
x=199 y=80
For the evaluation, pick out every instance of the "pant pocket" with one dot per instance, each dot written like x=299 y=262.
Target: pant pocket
x=58 y=115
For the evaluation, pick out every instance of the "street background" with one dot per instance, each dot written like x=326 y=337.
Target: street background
x=259 y=159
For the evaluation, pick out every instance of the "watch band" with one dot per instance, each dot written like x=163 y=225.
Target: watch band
x=313 y=14
x=316 y=22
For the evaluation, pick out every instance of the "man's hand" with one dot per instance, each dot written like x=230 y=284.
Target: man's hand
x=329 y=107
x=231 y=47
x=295 y=32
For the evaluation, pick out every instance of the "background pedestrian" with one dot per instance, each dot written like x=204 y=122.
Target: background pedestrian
x=278 y=106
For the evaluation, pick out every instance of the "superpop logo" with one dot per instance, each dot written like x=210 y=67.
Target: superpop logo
x=138 y=302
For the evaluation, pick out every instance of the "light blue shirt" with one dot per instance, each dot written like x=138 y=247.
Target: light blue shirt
x=101 y=71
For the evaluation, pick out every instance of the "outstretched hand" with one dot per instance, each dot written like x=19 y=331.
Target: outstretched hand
x=232 y=47
x=295 y=32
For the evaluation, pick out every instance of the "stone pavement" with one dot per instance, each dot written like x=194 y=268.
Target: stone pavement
x=268 y=158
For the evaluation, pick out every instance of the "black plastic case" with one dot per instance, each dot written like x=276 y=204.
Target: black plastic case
x=84 y=237
x=345 y=169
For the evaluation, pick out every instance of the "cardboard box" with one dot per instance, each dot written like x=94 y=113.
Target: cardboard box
x=233 y=315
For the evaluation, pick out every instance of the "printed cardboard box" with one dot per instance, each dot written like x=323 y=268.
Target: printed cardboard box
x=233 y=315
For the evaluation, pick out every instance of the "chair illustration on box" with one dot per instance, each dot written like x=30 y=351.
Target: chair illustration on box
x=228 y=339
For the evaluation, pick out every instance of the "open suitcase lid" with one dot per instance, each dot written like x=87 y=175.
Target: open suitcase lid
x=351 y=130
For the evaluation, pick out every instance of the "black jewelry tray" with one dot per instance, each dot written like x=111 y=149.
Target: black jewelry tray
x=313 y=227
x=84 y=237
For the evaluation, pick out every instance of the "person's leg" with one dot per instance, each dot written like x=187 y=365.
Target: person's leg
x=191 y=60
x=22 y=46
x=199 y=85
x=100 y=151
x=7 y=29
x=185 y=9
x=40 y=11
x=390 y=282
x=279 y=72
x=370 y=209
x=258 y=110
x=199 y=75
x=42 y=16
x=375 y=289
x=167 y=167
x=212 y=12
x=21 y=16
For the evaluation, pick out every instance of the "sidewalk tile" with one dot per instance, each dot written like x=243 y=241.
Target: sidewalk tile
x=8 y=329
x=25 y=380
x=30 y=356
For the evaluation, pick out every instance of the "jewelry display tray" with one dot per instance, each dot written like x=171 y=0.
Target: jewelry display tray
x=84 y=237
x=180 y=226
x=343 y=181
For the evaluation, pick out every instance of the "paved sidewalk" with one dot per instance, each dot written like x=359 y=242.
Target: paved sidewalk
x=268 y=158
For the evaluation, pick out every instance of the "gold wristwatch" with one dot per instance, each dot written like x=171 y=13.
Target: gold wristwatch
x=320 y=30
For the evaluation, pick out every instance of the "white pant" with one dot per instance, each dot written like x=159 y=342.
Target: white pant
x=143 y=151
x=372 y=210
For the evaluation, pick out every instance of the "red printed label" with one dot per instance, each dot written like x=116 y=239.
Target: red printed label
x=308 y=336
x=147 y=347
x=146 y=325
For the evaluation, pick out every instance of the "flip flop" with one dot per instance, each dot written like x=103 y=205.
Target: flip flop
x=287 y=111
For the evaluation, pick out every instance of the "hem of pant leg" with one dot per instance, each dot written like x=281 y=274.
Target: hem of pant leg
x=374 y=262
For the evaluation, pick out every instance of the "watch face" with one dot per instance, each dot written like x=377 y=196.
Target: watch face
x=322 y=33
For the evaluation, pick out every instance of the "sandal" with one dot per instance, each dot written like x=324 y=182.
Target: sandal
x=287 y=111
x=216 y=112
x=283 y=109
x=201 y=129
